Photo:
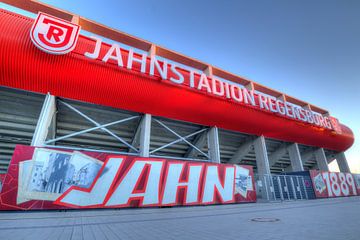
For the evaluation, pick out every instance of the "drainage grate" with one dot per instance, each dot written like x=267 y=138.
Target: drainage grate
x=261 y=219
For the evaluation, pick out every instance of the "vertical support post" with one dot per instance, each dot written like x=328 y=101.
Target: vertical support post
x=293 y=187
x=267 y=193
x=75 y=19
x=213 y=144
x=152 y=50
x=295 y=157
x=303 y=181
x=321 y=160
x=272 y=187
x=45 y=119
x=298 y=187
x=280 y=188
x=262 y=163
x=208 y=71
x=286 y=187
x=250 y=86
x=342 y=162
x=145 y=131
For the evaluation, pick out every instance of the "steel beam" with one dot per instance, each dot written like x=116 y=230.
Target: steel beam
x=342 y=162
x=89 y=130
x=321 y=159
x=136 y=138
x=295 y=157
x=199 y=142
x=45 y=120
x=306 y=156
x=277 y=154
x=99 y=125
x=213 y=144
x=242 y=151
x=180 y=138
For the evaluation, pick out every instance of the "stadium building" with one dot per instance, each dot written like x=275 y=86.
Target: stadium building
x=70 y=84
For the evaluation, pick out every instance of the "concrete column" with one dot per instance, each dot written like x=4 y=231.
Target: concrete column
x=145 y=131
x=342 y=162
x=45 y=121
x=263 y=167
x=213 y=144
x=262 y=161
x=295 y=158
x=321 y=159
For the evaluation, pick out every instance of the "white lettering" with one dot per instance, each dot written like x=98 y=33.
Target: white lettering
x=180 y=79
x=217 y=83
x=155 y=63
x=172 y=183
x=204 y=82
x=212 y=183
x=109 y=55
x=97 y=48
x=125 y=191
x=131 y=59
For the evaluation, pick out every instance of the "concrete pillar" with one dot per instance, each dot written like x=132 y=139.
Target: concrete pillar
x=262 y=161
x=45 y=121
x=321 y=159
x=342 y=162
x=295 y=158
x=213 y=144
x=263 y=167
x=145 y=131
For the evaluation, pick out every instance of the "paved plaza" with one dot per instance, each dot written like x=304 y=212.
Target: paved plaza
x=314 y=219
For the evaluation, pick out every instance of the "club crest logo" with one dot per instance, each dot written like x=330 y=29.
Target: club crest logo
x=54 y=35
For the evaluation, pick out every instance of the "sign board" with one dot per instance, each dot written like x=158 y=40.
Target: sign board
x=333 y=184
x=43 y=178
x=57 y=36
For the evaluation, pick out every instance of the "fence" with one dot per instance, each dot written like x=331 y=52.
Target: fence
x=283 y=187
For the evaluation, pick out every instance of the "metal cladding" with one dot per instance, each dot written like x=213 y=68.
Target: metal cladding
x=75 y=76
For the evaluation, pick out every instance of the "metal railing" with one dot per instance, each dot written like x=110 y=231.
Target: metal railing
x=271 y=187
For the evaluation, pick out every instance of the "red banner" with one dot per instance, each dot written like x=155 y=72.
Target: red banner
x=334 y=184
x=43 y=178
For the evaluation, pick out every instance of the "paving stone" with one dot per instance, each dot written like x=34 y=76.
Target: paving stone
x=314 y=219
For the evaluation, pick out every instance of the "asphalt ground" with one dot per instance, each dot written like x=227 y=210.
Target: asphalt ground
x=308 y=219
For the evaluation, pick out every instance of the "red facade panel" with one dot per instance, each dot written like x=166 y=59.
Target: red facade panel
x=76 y=77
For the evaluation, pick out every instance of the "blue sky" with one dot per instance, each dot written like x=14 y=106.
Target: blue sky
x=307 y=49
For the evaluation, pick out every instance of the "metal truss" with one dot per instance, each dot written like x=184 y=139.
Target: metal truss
x=180 y=138
x=98 y=126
